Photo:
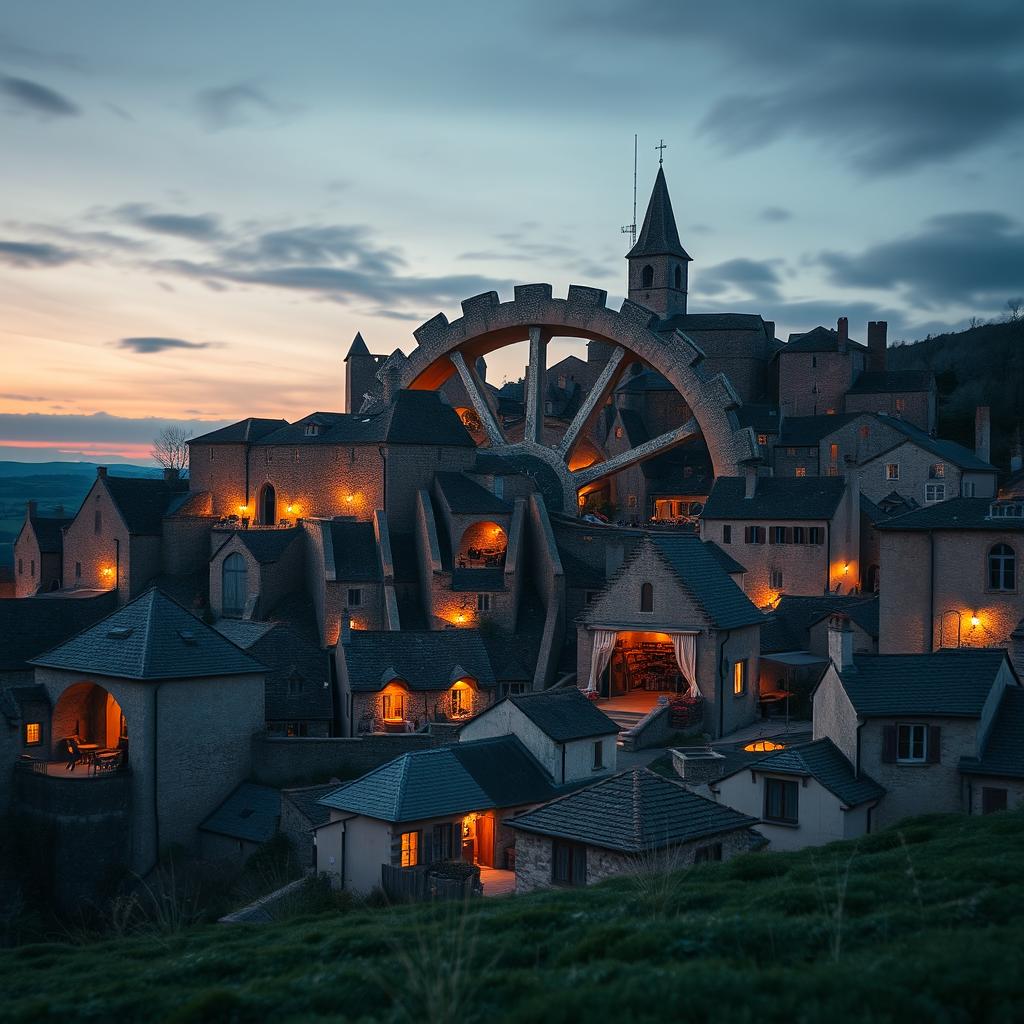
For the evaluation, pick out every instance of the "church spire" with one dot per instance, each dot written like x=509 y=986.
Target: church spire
x=658 y=261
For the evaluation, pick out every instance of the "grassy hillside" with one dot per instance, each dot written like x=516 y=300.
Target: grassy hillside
x=980 y=366
x=924 y=923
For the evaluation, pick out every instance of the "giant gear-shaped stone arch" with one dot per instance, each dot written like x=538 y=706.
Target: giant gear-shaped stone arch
x=487 y=324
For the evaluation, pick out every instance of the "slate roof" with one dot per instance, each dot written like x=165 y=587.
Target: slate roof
x=579 y=573
x=948 y=683
x=414 y=417
x=880 y=382
x=151 y=637
x=291 y=663
x=794 y=615
x=950 y=451
x=805 y=431
x=308 y=801
x=725 y=560
x=702 y=573
x=466 y=497
x=631 y=812
x=659 y=235
x=423 y=659
x=634 y=427
x=357 y=348
x=478 y=775
x=243 y=432
x=143 y=503
x=564 y=714
x=953 y=514
x=31 y=625
x=242 y=632
x=821 y=339
x=267 y=546
x=251 y=813
x=762 y=419
x=647 y=380
x=49 y=531
x=776 y=497
x=1003 y=753
x=687 y=322
x=355 y=551
x=822 y=760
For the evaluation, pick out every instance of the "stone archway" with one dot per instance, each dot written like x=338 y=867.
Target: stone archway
x=444 y=349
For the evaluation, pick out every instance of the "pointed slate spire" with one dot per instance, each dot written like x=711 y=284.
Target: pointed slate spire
x=358 y=347
x=659 y=236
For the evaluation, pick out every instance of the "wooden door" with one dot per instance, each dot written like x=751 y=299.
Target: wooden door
x=485 y=841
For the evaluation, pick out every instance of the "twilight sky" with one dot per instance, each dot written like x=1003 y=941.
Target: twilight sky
x=202 y=202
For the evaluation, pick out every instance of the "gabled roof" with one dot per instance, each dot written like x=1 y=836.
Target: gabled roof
x=701 y=571
x=762 y=419
x=243 y=432
x=144 y=503
x=948 y=683
x=634 y=811
x=881 y=382
x=474 y=776
x=724 y=559
x=800 y=431
x=251 y=813
x=776 y=497
x=634 y=427
x=49 y=531
x=954 y=514
x=31 y=625
x=950 y=451
x=357 y=348
x=307 y=800
x=151 y=637
x=564 y=714
x=794 y=615
x=687 y=322
x=422 y=659
x=466 y=497
x=659 y=235
x=646 y=380
x=1003 y=753
x=267 y=546
x=298 y=676
x=821 y=339
x=821 y=760
x=355 y=551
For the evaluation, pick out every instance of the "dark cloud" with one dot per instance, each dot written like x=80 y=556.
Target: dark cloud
x=238 y=105
x=35 y=254
x=33 y=98
x=965 y=258
x=201 y=227
x=14 y=52
x=775 y=214
x=99 y=239
x=758 y=279
x=12 y=397
x=150 y=346
x=314 y=244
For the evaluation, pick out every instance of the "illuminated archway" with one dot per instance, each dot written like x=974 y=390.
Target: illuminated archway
x=482 y=544
x=90 y=715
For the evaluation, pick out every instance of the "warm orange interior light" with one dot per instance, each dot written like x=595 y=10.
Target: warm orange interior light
x=846 y=568
x=243 y=508
x=290 y=509
x=350 y=497
x=764 y=746
x=460 y=617
x=107 y=571
x=975 y=621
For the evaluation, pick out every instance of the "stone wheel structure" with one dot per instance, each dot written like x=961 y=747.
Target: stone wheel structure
x=487 y=324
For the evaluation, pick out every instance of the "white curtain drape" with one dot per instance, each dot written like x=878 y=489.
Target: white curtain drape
x=604 y=644
x=685 y=646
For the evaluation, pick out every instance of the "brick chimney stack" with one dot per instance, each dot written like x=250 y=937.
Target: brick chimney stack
x=101 y=471
x=840 y=642
x=877 y=350
x=749 y=480
x=983 y=433
x=843 y=327
x=30 y=509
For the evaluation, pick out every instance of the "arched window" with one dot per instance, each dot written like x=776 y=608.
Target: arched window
x=647 y=598
x=678 y=277
x=268 y=505
x=233 y=591
x=647 y=277
x=1002 y=568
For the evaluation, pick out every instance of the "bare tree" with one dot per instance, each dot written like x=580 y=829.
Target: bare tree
x=1015 y=307
x=170 y=448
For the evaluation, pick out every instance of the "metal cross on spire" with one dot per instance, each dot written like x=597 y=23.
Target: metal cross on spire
x=661 y=147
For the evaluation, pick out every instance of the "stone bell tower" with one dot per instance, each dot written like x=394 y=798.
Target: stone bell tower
x=658 y=262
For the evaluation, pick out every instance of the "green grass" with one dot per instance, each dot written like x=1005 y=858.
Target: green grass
x=921 y=923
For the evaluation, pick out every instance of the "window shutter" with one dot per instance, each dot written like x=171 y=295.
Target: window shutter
x=427 y=853
x=934 y=744
x=889 y=744
x=579 y=865
x=746 y=534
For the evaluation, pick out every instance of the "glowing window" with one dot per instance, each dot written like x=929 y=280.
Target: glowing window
x=739 y=678
x=33 y=733
x=393 y=706
x=410 y=849
x=801 y=471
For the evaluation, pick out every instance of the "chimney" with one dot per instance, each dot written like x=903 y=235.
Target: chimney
x=171 y=475
x=30 y=509
x=843 y=327
x=983 y=433
x=877 y=345
x=346 y=627
x=749 y=480
x=840 y=642
x=101 y=471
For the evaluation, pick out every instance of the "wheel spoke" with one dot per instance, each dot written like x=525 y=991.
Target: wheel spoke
x=535 y=385
x=641 y=453
x=598 y=393
x=471 y=382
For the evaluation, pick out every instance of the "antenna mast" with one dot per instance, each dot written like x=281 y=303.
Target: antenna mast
x=630 y=229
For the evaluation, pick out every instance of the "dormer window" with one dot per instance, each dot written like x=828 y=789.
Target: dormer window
x=312 y=429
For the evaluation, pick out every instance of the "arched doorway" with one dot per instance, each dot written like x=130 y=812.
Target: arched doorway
x=268 y=505
x=483 y=545
x=234 y=584
x=87 y=725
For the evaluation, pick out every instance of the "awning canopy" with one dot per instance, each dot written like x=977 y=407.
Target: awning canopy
x=795 y=658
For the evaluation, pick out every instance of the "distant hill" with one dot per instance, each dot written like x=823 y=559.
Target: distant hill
x=983 y=365
x=53 y=485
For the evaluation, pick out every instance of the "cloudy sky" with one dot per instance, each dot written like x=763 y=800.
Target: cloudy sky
x=202 y=202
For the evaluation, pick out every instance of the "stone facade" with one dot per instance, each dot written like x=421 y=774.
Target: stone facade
x=815 y=383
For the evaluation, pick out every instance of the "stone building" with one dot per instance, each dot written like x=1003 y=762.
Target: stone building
x=635 y=822
x=816 y=370
x=792 y=535
x=39 y=552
